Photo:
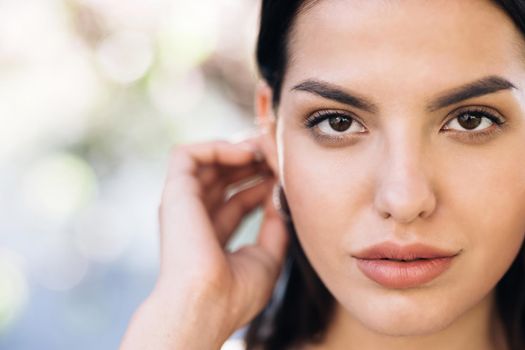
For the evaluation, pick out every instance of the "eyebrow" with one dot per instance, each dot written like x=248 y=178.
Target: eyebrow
x=480 y=87
x=483 y=86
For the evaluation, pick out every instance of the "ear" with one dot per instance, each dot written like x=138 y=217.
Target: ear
x=267 y=123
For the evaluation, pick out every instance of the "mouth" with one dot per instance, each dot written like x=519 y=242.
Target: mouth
x=401 y=260
x=399 y=267
x=394 y=251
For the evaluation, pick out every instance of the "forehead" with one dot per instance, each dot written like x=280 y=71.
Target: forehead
x=402 y=40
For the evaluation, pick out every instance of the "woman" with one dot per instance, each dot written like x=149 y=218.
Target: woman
x=394 y=132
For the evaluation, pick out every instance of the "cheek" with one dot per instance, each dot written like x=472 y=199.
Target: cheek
x=327 y=192
x=316 y=200
x=485 y=203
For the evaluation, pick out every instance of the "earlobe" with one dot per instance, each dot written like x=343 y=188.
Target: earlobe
x=267 y=124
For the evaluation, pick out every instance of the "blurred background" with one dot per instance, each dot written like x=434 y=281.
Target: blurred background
x=93 y=94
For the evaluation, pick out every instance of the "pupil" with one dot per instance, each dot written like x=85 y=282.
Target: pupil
x=340 y=123
x=469 y=121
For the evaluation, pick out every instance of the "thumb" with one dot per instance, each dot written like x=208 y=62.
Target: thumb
x=257 y=266
x=273 y=237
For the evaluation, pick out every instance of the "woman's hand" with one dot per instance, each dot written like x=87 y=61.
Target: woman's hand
x=203 y=292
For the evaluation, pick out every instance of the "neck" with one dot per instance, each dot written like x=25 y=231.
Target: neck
x=479 y=328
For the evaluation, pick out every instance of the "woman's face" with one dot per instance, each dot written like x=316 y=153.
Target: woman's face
x=414 y=154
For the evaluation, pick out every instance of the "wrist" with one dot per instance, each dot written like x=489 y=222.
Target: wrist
x=198 y=320
x=168 y=321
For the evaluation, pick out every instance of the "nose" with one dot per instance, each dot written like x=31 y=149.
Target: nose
x=404 y=192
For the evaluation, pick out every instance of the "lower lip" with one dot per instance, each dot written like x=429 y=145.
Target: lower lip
x=401 y=275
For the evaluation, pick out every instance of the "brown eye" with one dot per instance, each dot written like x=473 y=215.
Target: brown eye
x=333 y=124
x=469 y=121
x=340 y=123
x=472 y=121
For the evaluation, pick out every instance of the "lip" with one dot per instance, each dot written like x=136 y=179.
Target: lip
x=403 y=266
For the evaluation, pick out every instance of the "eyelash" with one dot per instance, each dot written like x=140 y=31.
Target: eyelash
x=313 y=120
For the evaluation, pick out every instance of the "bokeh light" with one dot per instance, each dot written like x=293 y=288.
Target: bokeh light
x=103 y=232
x=125 y=56
x=93 y=95
x=61 y=268
x=58 y=185
x=13 y=289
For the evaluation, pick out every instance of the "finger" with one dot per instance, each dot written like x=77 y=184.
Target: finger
x=257 y=266
x=209 y=175
x=236 y=174
x=229 y=216
x=189 y=157
x=186 y=159
x=215 y=195
x=273 y=235
x=184 y=219
x=185 y=227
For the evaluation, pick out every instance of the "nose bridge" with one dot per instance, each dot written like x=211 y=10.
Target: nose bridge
x=404 y=190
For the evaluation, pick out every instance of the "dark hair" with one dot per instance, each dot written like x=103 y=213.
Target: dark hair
x=303 y=308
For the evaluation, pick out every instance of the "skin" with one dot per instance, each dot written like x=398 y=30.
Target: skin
x=201 y=285
x=406 y=177
x=411 y=175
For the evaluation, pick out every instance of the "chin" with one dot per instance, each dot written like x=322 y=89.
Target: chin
x=404 y=316
x=396 y=326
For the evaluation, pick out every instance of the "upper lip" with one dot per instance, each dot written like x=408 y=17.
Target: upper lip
x=395 y=251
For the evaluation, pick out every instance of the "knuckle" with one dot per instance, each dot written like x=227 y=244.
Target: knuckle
x=178 y=189
x=180 y=160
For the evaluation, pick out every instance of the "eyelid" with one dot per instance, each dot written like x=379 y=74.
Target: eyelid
x=321 y=115
x=491 y=113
